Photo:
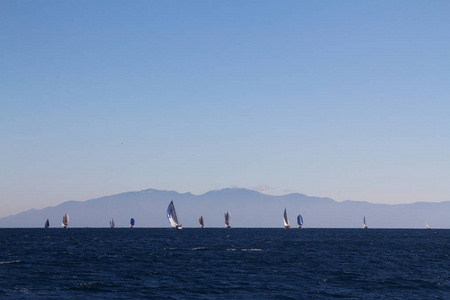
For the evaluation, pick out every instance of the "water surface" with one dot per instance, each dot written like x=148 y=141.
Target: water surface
x=216 y=263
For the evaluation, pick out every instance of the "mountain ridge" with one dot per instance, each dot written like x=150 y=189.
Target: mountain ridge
x=248 y=208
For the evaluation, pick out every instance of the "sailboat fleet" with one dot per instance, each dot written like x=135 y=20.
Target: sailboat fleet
x=173 y=220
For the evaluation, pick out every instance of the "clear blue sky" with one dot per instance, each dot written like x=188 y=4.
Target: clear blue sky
x=341 y=99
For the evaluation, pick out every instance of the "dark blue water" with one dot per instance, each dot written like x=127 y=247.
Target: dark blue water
x=224 y=263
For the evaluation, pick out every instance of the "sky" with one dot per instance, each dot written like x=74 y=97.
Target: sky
x=340 y=99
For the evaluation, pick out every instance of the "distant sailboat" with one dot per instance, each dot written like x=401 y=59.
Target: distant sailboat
x=364 y=223
x=299 y=221
x=202 y=223
x=172 y=216
x=428 y=227
x=47 y=224
x=227 y=219
x=132 y=223
x=65 y=221
x=111 y=223
x=286 y=220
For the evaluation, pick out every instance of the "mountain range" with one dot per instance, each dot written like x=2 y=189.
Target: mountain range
x=248 y=208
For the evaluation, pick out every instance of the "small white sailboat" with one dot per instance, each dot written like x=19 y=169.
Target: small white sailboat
x=132 y=223
x=202 y=222
x=364 y=223
x=172 y=216
x=428 y=226
x=47 y=224
x=65 y=221
x=111 y=223
x=228 y=219
x=286 y=220
x=299 y=221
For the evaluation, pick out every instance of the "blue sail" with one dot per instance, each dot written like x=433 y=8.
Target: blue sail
x=132 y=222
x=172 y=216
x=299 y=221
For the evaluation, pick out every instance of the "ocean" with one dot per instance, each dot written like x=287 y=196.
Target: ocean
x=219 y=263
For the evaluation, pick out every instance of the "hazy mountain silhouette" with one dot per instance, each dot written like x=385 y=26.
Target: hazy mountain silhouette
x=248 y=209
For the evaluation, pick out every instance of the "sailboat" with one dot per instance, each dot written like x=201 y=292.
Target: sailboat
x=227 y=219
x=172 y=216
x=202 y=223
x=364 y=223
x=299 y=221
x=132 y=223
x=428 y=226
x=65 y=221
x=111 y=223
x=286 y=220
x=47 y=224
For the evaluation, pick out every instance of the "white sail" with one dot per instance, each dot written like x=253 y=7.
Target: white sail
x=286 y=220
x=65 y=221
x=172 y=216
x=111 y=223
x=428 y=226
x=227 y=219
x=364 y=223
